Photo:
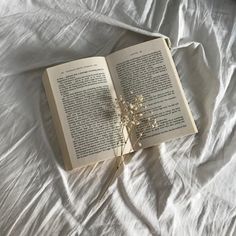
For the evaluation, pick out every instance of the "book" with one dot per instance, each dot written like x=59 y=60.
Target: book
x=81 y=97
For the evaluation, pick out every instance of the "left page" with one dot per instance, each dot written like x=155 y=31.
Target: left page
x=84 y=96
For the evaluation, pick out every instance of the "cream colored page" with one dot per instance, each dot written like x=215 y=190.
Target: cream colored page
x=147 y=69
x=84 y=98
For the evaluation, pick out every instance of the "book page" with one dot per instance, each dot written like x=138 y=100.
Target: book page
x=147 y=69
x=84 y=97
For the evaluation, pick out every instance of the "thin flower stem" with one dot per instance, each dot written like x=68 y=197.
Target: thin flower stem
x=122 y=134
x=122 y=154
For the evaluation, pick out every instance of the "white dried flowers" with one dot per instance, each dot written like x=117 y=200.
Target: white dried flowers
x=132 y=114
x=132 y=117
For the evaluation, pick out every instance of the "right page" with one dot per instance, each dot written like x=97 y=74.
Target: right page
x=148 y=69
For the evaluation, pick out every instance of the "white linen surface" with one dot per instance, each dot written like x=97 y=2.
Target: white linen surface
x=183 y=187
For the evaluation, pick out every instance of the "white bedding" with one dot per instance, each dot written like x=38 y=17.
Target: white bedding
x=183 y=187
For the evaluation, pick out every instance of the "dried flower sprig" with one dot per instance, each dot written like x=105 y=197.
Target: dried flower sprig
x=132 y=115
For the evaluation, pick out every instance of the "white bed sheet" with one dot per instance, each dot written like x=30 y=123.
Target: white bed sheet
x=183 y=187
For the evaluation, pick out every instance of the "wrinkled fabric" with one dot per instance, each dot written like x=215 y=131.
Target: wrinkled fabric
x=182 y=187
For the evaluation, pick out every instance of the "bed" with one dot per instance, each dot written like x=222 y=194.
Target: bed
x=182 y=187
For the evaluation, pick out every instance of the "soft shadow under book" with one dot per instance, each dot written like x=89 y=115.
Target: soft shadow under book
x=81 y=95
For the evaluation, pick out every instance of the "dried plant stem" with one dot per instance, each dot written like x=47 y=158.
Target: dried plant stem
x=111 y=180
x=131 y=116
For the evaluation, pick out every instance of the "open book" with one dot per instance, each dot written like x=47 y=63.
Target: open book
x=81 y=95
